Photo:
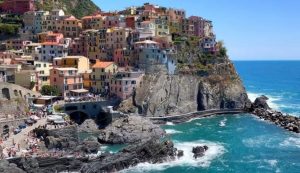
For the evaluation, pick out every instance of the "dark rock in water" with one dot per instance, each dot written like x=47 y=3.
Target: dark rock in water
x=7 y=167
x=180 y=153
x=261 y=102
x=199 y=151
x=130 y=129
x=152 y=151
x=48 y=164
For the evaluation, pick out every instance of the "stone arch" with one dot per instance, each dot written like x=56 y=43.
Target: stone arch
x=78 y=116
x=16 y=93
x=5 y=93
x=5 y=129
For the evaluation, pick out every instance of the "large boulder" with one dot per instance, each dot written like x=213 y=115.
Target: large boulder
x=261 y=102
x=130 y=129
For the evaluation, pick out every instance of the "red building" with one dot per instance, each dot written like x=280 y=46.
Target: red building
x=17 y=6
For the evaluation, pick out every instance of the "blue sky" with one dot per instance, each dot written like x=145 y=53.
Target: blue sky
x=251 y=29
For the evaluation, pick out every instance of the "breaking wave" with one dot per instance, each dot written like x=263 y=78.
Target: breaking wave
x=214 y=151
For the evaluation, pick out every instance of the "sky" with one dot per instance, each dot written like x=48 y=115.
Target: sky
x=250 y=29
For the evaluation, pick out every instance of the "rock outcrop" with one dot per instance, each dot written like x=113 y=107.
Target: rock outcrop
x=7 y=167
x=162 y=94
x=261 y=109
x=151 y=151
x=199 y=151
x=261 y=102
x=89 y=125
x=130 y=129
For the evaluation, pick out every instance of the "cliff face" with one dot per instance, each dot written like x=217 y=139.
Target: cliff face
x=162 y=94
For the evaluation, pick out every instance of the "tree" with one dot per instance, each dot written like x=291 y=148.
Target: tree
x=49 y=90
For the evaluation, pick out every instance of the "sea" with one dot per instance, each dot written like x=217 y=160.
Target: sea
x=242 y=143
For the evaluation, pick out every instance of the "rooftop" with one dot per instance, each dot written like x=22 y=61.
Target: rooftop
x=100 y=64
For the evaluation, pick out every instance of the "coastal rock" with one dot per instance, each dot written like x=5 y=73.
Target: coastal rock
x=261 y=102
x=88 y=125
x=180 y=153
x=199 y=151
x=130 y=129
x=48 y=164
x=7 y=167
x=152 y=151
x=162 y=94
x=88 y=147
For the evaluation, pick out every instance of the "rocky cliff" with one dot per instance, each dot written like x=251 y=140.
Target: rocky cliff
x=200 y=83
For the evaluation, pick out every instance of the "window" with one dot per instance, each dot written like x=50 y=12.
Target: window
x=54 y=79
x=45 y=65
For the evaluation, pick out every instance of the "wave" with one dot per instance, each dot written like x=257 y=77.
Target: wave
x=223 y=122
x=214 y=150
x=170 y=124
x=172 y=131
x=271 y=102
x=198 y=124
x=291 y=141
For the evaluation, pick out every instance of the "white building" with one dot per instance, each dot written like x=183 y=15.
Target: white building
x=51 y=50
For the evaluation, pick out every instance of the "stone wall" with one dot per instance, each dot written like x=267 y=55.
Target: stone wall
x=10 y=91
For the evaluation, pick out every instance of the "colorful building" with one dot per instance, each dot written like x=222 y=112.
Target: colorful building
x=101 y=74
x=92 y=22
x=32 y=50
x=51 y=50
x=16 y=44
x=43 y=73
x=81 y=63
x=123 y=83
x=70 y=27
x=68 y=81
x=116 y=38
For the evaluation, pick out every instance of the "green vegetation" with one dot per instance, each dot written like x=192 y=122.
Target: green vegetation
x=78 y=8
x=49 y=90
x=9 y=29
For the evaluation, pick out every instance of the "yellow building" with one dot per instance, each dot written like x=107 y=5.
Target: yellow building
x=92 y=22
x=43 y=73
x=95 y=44
x=101 y=74
x=87 y=79
x=80 y=62
x=116 y=38
x=71 y=27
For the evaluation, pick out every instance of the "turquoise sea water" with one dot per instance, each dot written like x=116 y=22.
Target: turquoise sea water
x=242 y=143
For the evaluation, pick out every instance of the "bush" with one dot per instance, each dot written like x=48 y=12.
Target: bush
x=49 y=90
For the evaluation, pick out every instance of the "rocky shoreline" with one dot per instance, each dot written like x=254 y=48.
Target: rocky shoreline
x=261 y=109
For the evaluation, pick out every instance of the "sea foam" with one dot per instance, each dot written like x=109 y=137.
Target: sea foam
x=172 y=131
x=271 y=102
x=214 y=150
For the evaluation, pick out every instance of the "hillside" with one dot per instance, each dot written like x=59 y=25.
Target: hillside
x=78 y=8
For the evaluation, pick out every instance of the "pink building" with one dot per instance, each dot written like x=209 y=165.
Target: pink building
x=7 y=58
x=67 y=80
x=122 y=57
x=78 y=47
x=124 y=83
x=17 y=6
x=54 y=37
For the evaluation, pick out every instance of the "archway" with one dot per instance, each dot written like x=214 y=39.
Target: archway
x=5 y=130
x=78 y=117
x=5 y=93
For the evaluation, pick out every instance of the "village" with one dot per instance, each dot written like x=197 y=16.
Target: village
x=104 y=56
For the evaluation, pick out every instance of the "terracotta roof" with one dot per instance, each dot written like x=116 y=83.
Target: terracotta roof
x=100 y=64
x=90 y=17
x=49 y=43
x=71 y=18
